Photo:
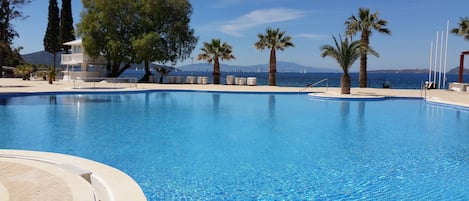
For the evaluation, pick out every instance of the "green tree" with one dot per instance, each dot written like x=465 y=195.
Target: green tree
x=213 y=52
x=9 y=11
x=67 y=32
x=462 y=29
x=365 y=23
x=136 y=31
x=13 y=57
x=163 y=37
x=107 y=28
x=345 y=53
x=274 y=39
x=51 y=39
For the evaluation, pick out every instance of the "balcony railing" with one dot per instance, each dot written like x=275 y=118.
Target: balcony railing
x=78 y=58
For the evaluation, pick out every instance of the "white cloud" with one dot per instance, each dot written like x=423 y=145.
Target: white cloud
x=259 y=17
x=226 y=3
x=311 y=36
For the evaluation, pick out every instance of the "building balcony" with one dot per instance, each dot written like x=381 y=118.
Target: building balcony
x=79 y=58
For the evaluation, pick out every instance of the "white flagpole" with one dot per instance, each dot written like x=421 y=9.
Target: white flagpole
x=436 y=57
x=446 y=54
x=441 y=60
x=431 y=60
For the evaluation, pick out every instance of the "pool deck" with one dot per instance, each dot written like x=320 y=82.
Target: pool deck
x=28 y=175
x=9 y=85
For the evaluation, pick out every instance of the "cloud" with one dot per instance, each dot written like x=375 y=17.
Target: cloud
x=226 y=3
x=259 y=17
x=310 y=36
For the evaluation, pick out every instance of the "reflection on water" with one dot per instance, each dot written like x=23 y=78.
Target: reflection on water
x=346 y=119
x=176 y=147
x=272 y=106
x=361 y=116
x=63 y=99
x=216 y=102
x=344 y=114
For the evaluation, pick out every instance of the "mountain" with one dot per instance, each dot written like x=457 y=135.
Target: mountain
x=45 y=58
x=407 y=71
x=455 y=70
x=41 y=58
x=281 y=67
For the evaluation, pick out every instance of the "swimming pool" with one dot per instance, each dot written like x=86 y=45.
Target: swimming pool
x=231 y=146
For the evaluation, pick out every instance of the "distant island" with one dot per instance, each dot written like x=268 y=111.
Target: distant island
x=454 y=70
x=45 y=58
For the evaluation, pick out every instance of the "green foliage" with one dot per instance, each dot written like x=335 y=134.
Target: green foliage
x=163 y=72
x=13 y=57
x=462 y=29
x=214 y=51
x=137 y=31
x=67 y=32
x=51 y=39
x=274 y=39
x=343 y=51
x=365 y=22
x=9 y=10
x=24 y=71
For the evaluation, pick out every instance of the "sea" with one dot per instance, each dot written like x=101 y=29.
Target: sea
x=375 y=80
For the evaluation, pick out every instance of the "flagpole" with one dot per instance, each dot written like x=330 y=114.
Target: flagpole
x=446 y=54
x=441 y=60
x=430 y=66
x=436 y=57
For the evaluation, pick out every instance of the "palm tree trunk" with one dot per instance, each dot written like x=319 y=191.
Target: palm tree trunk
x=345 y=84
x=363 y=80
x=362 y=76
x=216 y=71
x=273 y=68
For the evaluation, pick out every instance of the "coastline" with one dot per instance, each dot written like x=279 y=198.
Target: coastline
x=17 y=87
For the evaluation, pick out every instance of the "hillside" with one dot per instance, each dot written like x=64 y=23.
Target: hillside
x=45 y=58
x=281 y=67
x=41 y=58
x=454 y=70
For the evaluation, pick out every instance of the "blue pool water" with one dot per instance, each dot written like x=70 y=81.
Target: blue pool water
x=229 y=146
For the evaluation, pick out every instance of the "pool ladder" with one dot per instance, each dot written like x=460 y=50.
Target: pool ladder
x=316 y=83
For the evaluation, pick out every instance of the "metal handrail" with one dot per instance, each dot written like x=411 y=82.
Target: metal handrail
x=316 y=83
x=423 y=90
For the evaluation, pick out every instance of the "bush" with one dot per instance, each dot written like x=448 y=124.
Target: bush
x=24 y=71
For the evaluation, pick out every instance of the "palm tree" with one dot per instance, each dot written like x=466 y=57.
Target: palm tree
x=346 y=53
x=365 y=23
x=214 y=51
x=275 y=40
x=463 y=29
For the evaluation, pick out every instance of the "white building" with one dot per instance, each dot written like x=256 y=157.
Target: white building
x=89 y=67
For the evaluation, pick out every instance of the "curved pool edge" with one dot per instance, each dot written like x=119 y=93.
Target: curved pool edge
x=108 y=183
x=348 y=97
x=28 y=88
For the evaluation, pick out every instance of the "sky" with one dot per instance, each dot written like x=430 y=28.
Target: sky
x=414 y=25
